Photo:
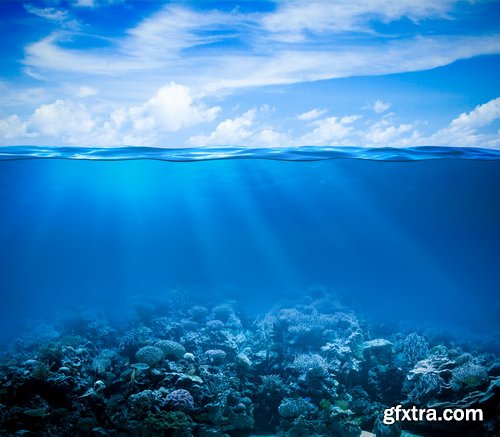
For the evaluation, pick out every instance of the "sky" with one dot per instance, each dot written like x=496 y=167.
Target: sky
x=269 y=73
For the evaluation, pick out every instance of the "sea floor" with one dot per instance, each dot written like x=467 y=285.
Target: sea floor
x=305 y=368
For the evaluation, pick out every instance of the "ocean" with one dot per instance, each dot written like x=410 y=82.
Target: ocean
x=407 y=240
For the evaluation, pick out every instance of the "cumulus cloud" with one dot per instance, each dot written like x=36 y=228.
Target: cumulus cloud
x=311 y=115
x=244 y=130
x=379 y=106
x=232 y=131
x=464 y=130
x=61 y=119
x=271 y=138
x=12 y=128
x=482 y=115
x=170 y=109
x=329 y=131
x=385 y=132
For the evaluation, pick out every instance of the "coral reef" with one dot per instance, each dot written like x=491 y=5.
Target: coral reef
x=309 y=368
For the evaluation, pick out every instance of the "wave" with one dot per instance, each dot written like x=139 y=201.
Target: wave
x=303 y=153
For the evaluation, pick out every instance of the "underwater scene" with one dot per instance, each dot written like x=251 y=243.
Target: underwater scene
x=249 y=292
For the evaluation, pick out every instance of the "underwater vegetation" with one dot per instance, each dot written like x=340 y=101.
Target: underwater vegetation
x=311 y=367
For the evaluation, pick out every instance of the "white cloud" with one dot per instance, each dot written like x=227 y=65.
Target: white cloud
x=175 y=44
x=170 y=109
x=271 y=138
x=379 y=106
x=154 y=45
x=481 y=115
x=385 y=132
x=61 y=119
x=293 y=19
x=329 y=131
x=229 y=132
x=85 y=3
x=94 y=3
x=14 y=99
x=51 y=14
x=47 y=54
x=311 y=115
x=69 y=122
x=59 y=16
x=465 y=129
x=244 y=130
x=12 y=128
x=86 y=91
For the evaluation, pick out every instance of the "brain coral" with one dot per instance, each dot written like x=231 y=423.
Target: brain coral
x=171 y=349
x=149 y=355
x=180 y=400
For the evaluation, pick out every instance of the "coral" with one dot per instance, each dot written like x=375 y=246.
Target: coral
x=216 y=356
x=272 y=383
x=145 y=401
x=295 y=372
x=468 y=376
x=198 y=312
x=149 y=355
x=40 y=370
x=215 y=325
x=222 y=312
x=99 y=328
x=102 y=362
x=171 y=423
x=243 y=361
x=382 y=430
x=133 y=339
x=38 y=333
x=415 y=348
x=171 y=349
x=384 y=383
x=294 y=407
x=216 y=383
x=180 y=400
x=164 y=327
x=349 y=429
x=423 y=387
x=310 y=365
x=427 y=379
x=50 y=352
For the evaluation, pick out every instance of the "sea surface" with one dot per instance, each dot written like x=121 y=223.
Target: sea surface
x=403 y=235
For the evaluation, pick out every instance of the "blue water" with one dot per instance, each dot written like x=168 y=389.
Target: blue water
x=404 y=236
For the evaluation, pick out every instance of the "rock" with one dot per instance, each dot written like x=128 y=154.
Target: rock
x=382 y=430
x=378 y=350
x=378 y=343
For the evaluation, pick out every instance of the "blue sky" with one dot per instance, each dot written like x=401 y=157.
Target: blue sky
x=251 y=73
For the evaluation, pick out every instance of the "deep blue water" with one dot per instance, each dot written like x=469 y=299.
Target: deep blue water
x=408 y=236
